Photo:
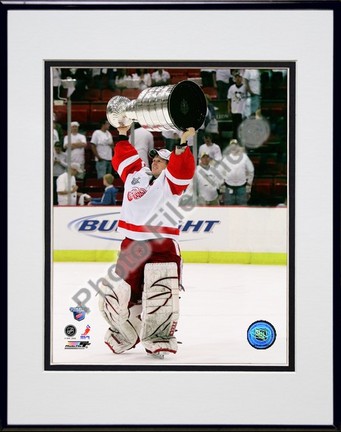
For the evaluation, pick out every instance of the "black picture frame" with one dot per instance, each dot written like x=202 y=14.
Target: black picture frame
x=292 y=5
x=51 y=232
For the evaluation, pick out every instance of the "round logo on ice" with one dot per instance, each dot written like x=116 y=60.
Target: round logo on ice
x=261 y=334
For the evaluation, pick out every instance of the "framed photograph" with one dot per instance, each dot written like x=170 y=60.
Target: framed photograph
x=257 y=292
x=208 y=232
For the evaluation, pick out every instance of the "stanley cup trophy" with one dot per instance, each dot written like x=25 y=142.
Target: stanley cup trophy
x=161 y=108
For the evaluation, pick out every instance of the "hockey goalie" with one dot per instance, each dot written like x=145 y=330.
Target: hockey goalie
x=140 y=300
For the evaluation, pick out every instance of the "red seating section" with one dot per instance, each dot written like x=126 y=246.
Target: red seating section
x=280 y=186
x=60 y=112
x=107 y=94
x=130 y=93
x=262 y=186
x=211 y=92
x=97 y=112
x=80 y=113
x=270 y=182
x=92 y=94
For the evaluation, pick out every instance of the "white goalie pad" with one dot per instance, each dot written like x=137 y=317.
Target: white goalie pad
x=125 y=324
x=160 y=305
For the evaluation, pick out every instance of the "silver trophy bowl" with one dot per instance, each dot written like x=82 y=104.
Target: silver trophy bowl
x=161 y=108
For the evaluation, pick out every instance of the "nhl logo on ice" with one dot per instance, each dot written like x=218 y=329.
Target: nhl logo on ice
x=78 y=313
x=261 y=335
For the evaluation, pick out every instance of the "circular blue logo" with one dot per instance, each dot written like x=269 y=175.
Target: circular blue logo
x=261 y=334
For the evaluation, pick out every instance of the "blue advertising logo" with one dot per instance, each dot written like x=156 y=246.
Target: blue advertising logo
x=104 y=226
x=98 y=225
x=261 y=334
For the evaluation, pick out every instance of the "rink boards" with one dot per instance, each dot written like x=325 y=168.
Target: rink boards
x=239 y=235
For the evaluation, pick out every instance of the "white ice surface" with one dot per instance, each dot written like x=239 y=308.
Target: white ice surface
x=220 y=302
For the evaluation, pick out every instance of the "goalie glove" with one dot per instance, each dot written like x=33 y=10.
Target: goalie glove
x=183 y=142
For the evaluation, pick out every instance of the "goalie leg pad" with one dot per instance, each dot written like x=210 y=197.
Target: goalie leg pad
x=125 y=324
x=160 y=306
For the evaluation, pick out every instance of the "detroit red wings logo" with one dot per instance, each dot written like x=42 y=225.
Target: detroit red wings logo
x=136 y=193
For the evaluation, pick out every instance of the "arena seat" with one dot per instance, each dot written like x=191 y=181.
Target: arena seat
x=107 y=94
x=80 y=184
x=178 y=72
x=256 y=160
x=211 y=92
x=90 y=169
x=262 y=188
x=96 y=194
x=130 y=93
x=92 y=94
x=270 y=165
x=118 y=183
x=119 y=198
x=88 y=153
x=80 y=113
x=61 y=113
x=93 y=185
x=97 y=113
x=280 y=186
x=274 y=109
x=193 y=73
x=175 y=79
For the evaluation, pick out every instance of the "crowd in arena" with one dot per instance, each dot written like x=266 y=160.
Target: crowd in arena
x=234 y=165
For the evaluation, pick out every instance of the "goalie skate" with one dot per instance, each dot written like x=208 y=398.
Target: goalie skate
x=156 y=355
x=160 y=304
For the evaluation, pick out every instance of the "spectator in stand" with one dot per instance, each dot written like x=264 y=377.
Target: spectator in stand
x=160 y=77
x=59 y=167
x=57 y=80
x=208 y=77
x=83 y=79
x=203 y=189
x=252 y=83
x=210 y=148
x=236 y=98
x=171 y=139
x=237 y=172
x=98 y=76
x=211 y=122
x=109 y=195
x=223 y=82
x=111 y=75
x=58 y=132
x=144 y=78
x=210 y=125
x=55 y=135
x=67 y=190
x=78 y=144
x=121 y=79
x=101 y=145
x=143 y=141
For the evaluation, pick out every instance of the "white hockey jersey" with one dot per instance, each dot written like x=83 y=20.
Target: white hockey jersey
x=150 y=209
